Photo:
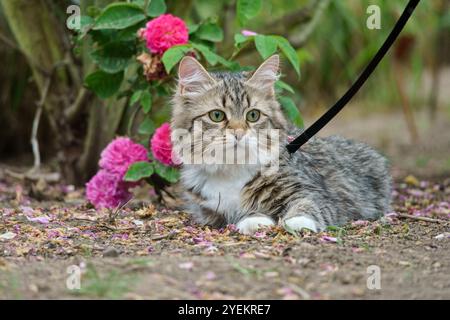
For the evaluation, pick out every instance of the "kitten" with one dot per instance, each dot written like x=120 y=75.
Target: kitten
x=329 y=181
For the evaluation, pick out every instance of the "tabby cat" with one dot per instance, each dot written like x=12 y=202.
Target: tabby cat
x=329 y=181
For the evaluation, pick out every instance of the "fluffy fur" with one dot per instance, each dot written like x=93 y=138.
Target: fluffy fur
x=330 y=181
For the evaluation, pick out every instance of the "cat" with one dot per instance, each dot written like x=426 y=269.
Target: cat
x=328 y=182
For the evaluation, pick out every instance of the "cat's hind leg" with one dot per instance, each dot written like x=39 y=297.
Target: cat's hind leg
x=300 y=222
x=250 y=224
x=303 y=214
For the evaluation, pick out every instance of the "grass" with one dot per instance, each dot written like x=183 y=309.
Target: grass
x=112 y=285
x=12 y=285
x=250 y=271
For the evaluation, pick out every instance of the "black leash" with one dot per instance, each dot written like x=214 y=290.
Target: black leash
x=342 y=102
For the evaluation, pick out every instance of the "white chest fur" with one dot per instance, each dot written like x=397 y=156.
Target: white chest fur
x=220 y=188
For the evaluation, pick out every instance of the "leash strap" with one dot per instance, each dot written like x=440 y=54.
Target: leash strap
x=342 y=102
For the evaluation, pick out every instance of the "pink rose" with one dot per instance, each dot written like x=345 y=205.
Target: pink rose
x=104 y=190
x=120 y=154
x=165 y=32
x=161 y=146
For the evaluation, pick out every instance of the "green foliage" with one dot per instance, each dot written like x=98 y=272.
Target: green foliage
x=289 y=52
x=144 y=169
x=247 y=9
x=156 y=8
x=210 y=32
x=111 y=33
x=104 y=84
x=291 y=111
x=266 y=45
x=114 y=56
x=119 y=16
x=169 y=173
x=139 y=170
x=146 y=101
x=147 y=127
x=172 y=56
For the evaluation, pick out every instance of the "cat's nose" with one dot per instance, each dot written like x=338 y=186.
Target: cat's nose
x=239 y=133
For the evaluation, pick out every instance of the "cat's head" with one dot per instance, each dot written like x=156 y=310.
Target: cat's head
x=233 y=113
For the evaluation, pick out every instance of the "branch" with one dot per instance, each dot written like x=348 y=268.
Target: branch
x=310 y=15
x=320 y=8
x=14 y=46
x=290 y=20
x=77 y=107
x=409 y=216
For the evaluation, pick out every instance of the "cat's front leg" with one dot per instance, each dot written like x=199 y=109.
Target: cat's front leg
x=303 y=214
x=250 y=224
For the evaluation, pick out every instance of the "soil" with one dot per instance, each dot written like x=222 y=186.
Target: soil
x=150 y=252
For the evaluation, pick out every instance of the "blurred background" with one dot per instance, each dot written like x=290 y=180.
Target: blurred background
x=404 y=109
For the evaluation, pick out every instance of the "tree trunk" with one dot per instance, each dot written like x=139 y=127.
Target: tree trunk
x=42 y=39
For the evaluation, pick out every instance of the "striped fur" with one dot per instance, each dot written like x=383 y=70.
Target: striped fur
x=330 y=181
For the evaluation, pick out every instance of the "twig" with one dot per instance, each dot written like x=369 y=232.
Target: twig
x=406 y=107
x=48 y=177
x=40 y=105
x=169 y=235
x=292 y=19
x=132 y=119
x=312 y=24
x=77 y=106
x=37 y=118
x=113 y=214
x=409 y=216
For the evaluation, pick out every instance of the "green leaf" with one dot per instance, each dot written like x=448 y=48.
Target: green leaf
x=266 y=45
x=210 y=56
x=156 y=8
x=172 y=56
x=104 y=84
x=240 y=39
x=147 y=126
x=289 y=52
x=119 y=16
x=169 y=173
x=193 y=28
x=213 y=58
x=113 y=57
x=139 y=170
x=135 y=97
x=129 y=34
x=86 y=22
x=247 y=9
x=210 y=32
x=291 y=111
x=281 y=85
x=146 y=101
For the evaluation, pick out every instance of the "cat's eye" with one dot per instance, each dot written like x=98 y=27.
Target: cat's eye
x=217 y=115
x=253 y=115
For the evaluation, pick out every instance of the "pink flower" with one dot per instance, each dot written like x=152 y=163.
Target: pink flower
x=104 y=190
x=165 y=32
x=120 y=154
x=329 y=239
x=248 y=33
x=161 y=145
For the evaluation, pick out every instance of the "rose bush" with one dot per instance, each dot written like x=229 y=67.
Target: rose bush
x=135 y=46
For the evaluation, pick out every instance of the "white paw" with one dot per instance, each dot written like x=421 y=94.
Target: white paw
x=299 y=223
x=251 y=224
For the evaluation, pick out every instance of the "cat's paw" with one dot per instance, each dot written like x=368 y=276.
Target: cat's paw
x=299 y=223
x=251 y=224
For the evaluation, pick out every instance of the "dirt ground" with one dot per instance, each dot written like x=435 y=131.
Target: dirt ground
x=48 y=231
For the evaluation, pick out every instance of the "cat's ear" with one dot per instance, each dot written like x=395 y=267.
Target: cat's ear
x=266 y=75
x=192 y=77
